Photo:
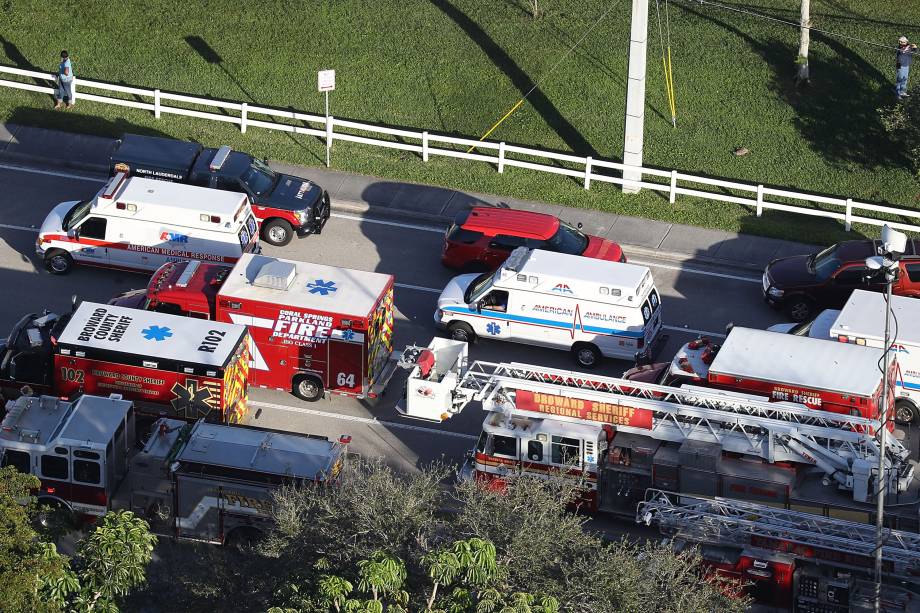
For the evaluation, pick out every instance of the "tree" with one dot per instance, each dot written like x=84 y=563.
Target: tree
x=33 y=576
x=113 y=560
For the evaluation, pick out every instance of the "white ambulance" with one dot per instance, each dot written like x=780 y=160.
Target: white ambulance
x=862 y=321
x=140 y=224
x=592 y=307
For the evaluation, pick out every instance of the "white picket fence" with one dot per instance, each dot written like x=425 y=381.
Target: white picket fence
x=501 y=154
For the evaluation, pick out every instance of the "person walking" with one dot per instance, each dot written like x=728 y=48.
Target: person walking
x=904 y=57
x=64 y=92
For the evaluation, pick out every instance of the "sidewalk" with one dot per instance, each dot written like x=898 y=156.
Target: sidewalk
x=381 y=197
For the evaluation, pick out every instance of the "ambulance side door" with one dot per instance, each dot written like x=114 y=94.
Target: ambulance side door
x=130 y=232
x=93 y=236
x=494 y=308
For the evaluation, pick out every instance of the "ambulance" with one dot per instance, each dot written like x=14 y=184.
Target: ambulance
x=594 y=308
x=139 y=224
x=315 y=328
x=862 y=322
x=167 y=365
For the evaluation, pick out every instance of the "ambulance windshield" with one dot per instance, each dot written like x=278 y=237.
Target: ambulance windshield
x=259 y=178
x=477 y=287
x=75 y=215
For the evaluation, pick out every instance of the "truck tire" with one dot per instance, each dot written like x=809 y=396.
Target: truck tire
x=800 y=308
x=58 y=262
x=586 y=355
x=277 y=232
x=307 y=387
x=243 y=539
x=462 y=332
x=905 y=413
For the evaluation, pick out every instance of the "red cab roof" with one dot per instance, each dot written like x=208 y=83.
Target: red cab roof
x=491 y=220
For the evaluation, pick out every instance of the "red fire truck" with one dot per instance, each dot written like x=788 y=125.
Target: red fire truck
x=166 y=364
x=202 y=481
x=315 y=327
x=831 y=377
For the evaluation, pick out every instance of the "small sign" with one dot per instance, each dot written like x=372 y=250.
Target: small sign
x=326 y=80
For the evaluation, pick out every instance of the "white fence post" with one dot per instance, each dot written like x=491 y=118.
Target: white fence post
x=329 y=122
x=673 y=195
x=501 y=157
x=156 y=104
x=849 y=215
x=759 y=200
x=244 y=117
x=424 y=146
x=588 y=161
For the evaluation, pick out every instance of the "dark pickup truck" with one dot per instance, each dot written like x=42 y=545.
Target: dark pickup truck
x=284 y=204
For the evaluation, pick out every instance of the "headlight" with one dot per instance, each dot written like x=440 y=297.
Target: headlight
x=302 y=216
x=775 y=292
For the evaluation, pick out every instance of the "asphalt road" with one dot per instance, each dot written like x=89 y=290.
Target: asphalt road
x=696 y=298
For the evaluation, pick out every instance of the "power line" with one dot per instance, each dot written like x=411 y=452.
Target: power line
x=736 y=9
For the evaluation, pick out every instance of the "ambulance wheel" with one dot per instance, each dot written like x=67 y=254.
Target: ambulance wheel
x=462 y=332
x=586 y=355
x=58 y=262
x=905 y=413
x=799 y=308
x=277 y=232
x=307 y=387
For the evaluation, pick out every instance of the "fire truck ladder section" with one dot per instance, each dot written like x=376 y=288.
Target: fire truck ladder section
x=843 y=446
x=722 y=521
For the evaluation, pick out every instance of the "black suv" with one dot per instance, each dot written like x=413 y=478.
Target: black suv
x=803 y=284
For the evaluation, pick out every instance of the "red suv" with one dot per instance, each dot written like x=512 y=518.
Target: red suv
x=483 y=237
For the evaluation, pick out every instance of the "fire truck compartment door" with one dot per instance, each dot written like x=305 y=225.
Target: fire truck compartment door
x=346 y=366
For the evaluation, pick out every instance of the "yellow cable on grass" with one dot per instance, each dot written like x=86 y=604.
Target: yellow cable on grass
x=497 y=123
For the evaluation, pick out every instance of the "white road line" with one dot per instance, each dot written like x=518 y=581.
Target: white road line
x=693 y=331
x=361 y=420
x=697 y=271
x=7 y=226
x=53 y=173
x=397 y=224
x=419 y=288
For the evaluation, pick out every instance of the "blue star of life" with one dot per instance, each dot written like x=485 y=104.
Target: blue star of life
x=348 y=334
x=493 y=328
x=156 y=333
x=323 y=288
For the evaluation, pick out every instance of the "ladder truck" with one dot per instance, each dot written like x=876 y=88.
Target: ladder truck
x=789 y=559
x=623 y=437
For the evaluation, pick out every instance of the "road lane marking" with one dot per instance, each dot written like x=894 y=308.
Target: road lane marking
x=419 y=288
x=697 y=271
x=693 y=331
x=53 y=173
x=7 y=226
x=382 y=222
x=361 y=420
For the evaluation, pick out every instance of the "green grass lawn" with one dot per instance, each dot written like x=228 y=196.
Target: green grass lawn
x=456 y=66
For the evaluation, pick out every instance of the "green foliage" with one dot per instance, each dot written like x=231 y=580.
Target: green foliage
x=113 y=560
x=902 y=122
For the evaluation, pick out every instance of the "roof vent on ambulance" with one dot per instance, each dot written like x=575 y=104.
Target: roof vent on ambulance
x=276 y=275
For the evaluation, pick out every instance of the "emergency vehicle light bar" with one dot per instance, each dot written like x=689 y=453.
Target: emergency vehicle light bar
x=190 y=269
x=112 y=186
x=220 y=158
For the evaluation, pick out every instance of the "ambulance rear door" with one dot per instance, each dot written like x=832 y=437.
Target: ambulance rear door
x=345 y=373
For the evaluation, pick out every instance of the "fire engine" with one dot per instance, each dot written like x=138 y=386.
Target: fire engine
x=315 y=327
x=834 y=377
x=790 y=559
x=624 y=437
x=166 y=364
x=204 y=482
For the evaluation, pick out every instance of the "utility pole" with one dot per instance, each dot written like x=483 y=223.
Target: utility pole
x=635 y=94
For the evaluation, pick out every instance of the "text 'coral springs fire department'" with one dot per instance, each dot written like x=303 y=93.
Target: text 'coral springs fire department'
x=315 y=328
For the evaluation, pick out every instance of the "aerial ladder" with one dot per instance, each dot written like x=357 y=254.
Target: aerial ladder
x=842 y=550
x=442 y=382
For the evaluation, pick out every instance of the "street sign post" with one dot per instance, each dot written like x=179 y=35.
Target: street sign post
x=325 y=82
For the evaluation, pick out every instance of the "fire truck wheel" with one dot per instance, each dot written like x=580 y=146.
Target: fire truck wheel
x=243 y=538
x=799 y=308
x=53 y=518
x=307 y=387
x=462 y=332
x=905 y=413
x=58 y=262
x=586 y=355
x=277 y=232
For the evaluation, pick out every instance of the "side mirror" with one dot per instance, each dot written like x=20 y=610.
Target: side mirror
x=74 y=302
x=729 y=327
x=479 y=307
x=579 y=225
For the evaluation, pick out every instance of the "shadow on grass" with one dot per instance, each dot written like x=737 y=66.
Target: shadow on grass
x=792 y=14
x=837 y=114
x=520 y=79
x=76 y=122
